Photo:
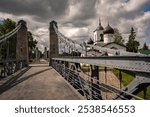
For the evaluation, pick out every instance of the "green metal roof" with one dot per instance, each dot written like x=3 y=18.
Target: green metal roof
x=147 y=52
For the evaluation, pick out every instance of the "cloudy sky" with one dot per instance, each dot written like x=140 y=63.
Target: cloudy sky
x=78 y=18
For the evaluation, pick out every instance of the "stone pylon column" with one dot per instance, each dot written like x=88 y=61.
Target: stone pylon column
x=53 y=42
x=45 y=53
x=22 y=43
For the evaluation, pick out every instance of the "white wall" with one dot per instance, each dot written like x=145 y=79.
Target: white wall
x=97 y=37
x=108 y=38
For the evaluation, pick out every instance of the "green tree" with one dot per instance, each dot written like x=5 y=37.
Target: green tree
x=145 y=47
x=117 y=37
x=32 y=45
x=7 y=48
x=132 y=45
x=7 y=26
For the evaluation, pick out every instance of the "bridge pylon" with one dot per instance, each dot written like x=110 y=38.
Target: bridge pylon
x=22 y=43
x=53 y=42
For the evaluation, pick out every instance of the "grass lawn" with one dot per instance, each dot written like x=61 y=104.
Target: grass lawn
x=141 y=94
x=126 y=79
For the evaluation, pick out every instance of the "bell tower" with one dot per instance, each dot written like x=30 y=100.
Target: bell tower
x=98 y=33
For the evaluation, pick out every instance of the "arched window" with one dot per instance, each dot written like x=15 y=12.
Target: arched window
x=114 y=48
x=101 y=37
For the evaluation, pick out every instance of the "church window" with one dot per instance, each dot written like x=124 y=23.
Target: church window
x=101 y=37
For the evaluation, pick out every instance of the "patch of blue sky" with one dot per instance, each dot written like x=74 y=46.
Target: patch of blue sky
x=1 y=20
x=147 y=8
x=148 y=34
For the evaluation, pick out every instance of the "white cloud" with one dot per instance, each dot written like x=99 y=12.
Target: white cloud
x=124 y=15
x=80 y=18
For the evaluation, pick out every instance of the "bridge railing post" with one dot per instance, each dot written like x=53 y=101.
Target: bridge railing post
x=95 y=82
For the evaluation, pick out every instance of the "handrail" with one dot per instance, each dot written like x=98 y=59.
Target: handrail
x=130 y=63
x=83 y=85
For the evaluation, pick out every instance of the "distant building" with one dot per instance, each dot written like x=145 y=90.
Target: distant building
x=45 y=54
x=103 y=37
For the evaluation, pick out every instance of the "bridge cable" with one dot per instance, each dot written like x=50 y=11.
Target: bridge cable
x=65 y=39
x=9 y=34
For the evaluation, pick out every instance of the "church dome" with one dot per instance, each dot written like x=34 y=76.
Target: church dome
x=100 y=27
x=109 y=30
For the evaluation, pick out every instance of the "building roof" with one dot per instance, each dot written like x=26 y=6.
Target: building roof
x=109 y=30
x=147 y=52
x=113 y=43
x=100 y=44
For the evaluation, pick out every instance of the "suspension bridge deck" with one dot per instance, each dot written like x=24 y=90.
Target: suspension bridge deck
x=40 y=82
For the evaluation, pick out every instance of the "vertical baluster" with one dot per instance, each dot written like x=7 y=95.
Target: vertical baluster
x=120 y=79
x=105 y=82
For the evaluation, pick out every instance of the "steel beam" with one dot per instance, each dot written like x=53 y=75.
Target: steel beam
x=130 y=63
x=140 y=83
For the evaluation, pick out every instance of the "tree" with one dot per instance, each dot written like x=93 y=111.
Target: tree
x=7 y=48
x=145 y=47
x=32 y=45
x=132 y=45
x=117 y=37
x=7 y=26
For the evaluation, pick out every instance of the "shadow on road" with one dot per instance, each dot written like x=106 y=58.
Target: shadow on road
x=16 y=80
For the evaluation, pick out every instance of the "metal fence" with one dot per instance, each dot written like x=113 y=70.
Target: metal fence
x=91 y=88
x=8 y=67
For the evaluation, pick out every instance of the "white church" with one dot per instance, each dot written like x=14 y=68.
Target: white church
x=103 y=37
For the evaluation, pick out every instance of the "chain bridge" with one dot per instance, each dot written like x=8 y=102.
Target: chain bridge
x=63 y=76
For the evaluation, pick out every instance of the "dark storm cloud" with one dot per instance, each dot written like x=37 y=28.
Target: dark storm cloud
x=85 y=11
x=45 y=10
x=38 y=8
x=76 y=18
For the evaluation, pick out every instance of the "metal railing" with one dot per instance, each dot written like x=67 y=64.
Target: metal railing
x=8 y=67
x=90 y=87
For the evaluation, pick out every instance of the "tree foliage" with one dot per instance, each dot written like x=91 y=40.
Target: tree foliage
x=32 y=45
x=8 y=48
x=7 y=26
x=118 y=37
x=132 y=45
x=145 y=47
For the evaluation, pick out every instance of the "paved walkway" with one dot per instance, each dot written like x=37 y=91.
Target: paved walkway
x=40 y=82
